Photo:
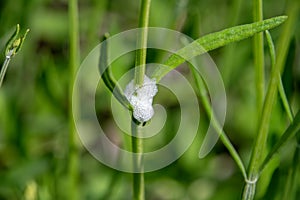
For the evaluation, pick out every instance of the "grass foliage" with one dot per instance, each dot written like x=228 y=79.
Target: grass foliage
x=40 y=156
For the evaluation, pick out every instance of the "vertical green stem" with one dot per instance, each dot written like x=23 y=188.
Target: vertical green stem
x=74 y=62
x=136 y=141
x=260 y=143
x=4 y=69
x=138 y=177
x=142 y=43
x=259 y=56
x=249 y=190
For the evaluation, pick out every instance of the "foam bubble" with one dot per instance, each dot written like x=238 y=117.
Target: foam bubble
x=141 y=98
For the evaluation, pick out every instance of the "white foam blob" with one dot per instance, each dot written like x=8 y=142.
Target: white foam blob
x=141 y=98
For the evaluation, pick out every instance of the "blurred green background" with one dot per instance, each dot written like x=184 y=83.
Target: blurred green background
x=34 y=101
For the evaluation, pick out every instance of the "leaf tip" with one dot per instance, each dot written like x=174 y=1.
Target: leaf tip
x=282 y=18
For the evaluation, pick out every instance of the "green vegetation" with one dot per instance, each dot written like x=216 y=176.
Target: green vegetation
x=255 y=46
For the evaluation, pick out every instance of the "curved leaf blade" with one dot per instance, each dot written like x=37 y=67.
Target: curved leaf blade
x=215 y=40
x=289 y=133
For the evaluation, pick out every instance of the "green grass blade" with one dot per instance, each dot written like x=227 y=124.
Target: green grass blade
x=4 y=69
x=205 y=102
x=271 y=48
x=285 y=102
x=283 y=44
x=289 y=133
x=258 y=52
x=294 y=170
x=107 y=75
x=214 y=41
x=290 y=188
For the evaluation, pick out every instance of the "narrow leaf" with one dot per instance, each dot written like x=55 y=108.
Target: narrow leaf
x=289 y=133
x=107 y=75
x=282 y=49
x=209 y=111
x=280 y=84
x=214 y=41
x=203 y=94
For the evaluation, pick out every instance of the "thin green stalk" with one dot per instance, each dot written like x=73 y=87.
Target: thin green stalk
x=136 y=141
x=142 y=43
x=205 y=101
x=107 y=75
x=291 y=183
x=283 y=46
x=260 y=143
x=74 y=63
x=259 y=56
x=4 y=69
x=137 y=147
x=289 y=133
x=284 y=99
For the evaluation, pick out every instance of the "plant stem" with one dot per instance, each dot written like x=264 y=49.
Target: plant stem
x=138 y=176
x=290 y=132
x=282 y=49
x=74 y=62
x=249 y=190
x=142 y=43
x=4 y=69
x=291 y=183
x=260 y=143
x=205 y=101
x=107 y=75
x=259 y=56
x=136 y=141
x=284 y=99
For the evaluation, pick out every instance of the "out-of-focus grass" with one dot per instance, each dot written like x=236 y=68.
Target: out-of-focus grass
x=33 y=99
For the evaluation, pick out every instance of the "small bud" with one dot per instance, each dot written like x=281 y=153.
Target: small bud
x=14 y=44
